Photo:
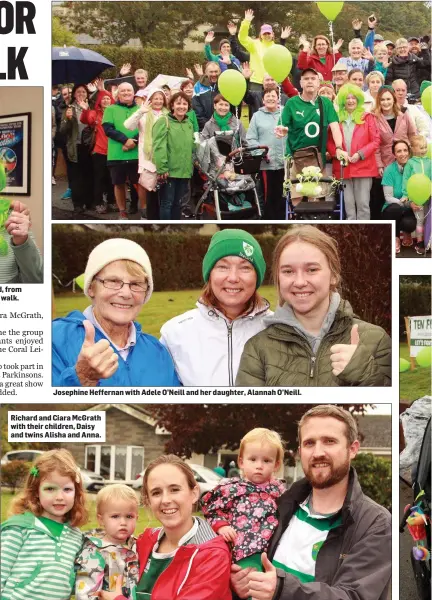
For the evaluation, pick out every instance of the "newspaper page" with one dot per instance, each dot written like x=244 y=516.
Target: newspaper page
x=161 y=237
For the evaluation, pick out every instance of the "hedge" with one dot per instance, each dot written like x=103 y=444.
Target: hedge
x=176 y=258
x=154 y=60
x=414 y=300
x=374 y=475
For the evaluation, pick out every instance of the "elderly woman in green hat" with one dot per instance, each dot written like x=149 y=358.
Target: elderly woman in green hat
x=206 y=343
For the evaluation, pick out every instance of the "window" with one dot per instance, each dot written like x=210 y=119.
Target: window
x=115 y=463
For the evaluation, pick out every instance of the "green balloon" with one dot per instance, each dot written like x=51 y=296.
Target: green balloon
x=426 y=100
x=424 y=357
x=232 y=86
x=419 y=188
x=330 y=9
x=429 y=150
x=403 y=365
x=278 y=62
x=2 y=177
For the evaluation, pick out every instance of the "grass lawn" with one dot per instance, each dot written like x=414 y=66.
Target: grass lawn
x=162 y=306
x=145 y=518
x=413 y=384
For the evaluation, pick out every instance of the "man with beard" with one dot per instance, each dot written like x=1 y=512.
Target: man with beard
x=332 y=541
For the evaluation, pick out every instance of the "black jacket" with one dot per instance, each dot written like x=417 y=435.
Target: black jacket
x=354 y=563
x=410 y=69
x=255 y=100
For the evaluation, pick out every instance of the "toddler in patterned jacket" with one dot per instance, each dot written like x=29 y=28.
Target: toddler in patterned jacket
x=243 y=509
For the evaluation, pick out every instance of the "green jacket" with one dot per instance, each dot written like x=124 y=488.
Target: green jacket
x=117 y=134
x=70 y=129
x=173 y=145
x=281 y=356
x=34 y=563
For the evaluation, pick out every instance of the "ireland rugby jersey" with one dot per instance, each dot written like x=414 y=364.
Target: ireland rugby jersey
x=299 y=545
x=302 y=119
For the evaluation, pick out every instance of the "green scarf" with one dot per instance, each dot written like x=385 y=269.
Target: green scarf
x=148 y=142
x=222 y=121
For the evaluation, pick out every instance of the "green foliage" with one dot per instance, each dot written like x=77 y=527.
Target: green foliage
x=374 y=474
x=176 y=258
x=13 y=473
x=167 y=24
x=414 y=301
x=61 y=35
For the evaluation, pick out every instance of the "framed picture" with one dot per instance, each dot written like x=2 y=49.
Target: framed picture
x=15 y=138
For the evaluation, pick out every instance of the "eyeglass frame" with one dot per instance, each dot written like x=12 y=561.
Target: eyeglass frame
x=123 y=283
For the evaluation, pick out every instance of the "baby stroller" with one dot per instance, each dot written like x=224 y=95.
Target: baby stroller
x=319 y=209
x=230 y=187
x=417 y=518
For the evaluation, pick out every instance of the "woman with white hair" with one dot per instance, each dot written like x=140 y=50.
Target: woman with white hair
x=104 y=345
x=407 y=66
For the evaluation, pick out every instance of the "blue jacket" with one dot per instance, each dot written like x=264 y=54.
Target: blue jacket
x=148 y=362
x=261 y=133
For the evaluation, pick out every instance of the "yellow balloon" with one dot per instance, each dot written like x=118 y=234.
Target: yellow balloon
x=330 y=9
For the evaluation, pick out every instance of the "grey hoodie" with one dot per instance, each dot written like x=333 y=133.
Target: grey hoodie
x=261 y=133
x=285 y=315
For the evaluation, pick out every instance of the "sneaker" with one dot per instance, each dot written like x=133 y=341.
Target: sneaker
x=123 y=216
x=143 y=213
x=53 y=181
x=420 y=248
x=67 y=195
x=407 y=240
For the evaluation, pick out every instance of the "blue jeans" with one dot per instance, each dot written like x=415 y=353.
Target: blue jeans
x=170 y=196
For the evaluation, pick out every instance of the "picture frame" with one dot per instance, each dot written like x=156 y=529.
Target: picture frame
x=15 y=152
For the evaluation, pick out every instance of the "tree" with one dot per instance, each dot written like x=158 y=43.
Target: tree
x=61 y=35
x=14 y=472
x=374 y=474
x=168 y=24
x=203 y=428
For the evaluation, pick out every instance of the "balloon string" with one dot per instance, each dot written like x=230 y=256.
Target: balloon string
x=280 y=104
x=332 y=41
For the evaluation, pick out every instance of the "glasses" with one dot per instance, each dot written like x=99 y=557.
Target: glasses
x=117 y=284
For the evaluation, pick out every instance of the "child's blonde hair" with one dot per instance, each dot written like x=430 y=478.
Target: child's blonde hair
x=417 y=139
x=380 y=48
x=264 y=436
x=113 y=493
x=64 y=463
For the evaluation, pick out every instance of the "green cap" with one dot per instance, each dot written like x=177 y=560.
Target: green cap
x=234 y=242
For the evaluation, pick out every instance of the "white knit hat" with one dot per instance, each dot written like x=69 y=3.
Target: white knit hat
x=117 y=249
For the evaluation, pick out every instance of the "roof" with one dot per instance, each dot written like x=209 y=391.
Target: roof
x=376 y=430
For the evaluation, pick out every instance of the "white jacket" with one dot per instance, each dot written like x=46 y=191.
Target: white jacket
x=206 y=347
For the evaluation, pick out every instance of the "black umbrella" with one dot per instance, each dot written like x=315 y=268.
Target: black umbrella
x=77 y=65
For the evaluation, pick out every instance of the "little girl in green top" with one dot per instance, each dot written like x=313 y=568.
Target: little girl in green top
x=41 y=540
x=419 y=163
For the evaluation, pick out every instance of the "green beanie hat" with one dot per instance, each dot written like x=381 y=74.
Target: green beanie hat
x=234 y=242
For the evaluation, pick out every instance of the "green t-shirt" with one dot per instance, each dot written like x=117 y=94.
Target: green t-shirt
x=393 y=177
x=154 y=567
x=53 y=527
x=302 y=119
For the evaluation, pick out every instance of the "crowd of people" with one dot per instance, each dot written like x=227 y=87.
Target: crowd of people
x=137 y=137
x=255 y=536
x=313 y=339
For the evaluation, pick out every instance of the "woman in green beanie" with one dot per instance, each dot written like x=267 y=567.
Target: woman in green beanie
x=206 y=343
x=314 y=338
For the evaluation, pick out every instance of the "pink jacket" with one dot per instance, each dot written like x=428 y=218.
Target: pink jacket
x=404 y=129
x=365 y=139
x=312 y=60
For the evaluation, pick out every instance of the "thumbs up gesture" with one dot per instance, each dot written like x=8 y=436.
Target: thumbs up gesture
x=341 y=354
x=262 y=586
x=96 y=360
